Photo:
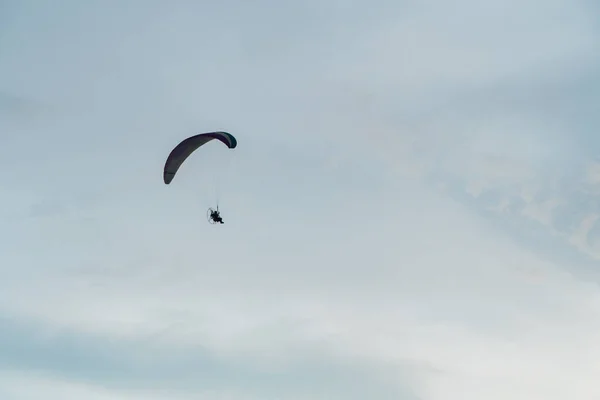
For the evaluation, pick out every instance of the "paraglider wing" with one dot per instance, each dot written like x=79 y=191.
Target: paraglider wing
x=183 y=150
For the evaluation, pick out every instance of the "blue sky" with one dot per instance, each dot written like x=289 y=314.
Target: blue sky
x=411 y=212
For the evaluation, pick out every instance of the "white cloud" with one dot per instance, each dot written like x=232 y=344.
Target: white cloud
x=428 y=294
x=17 y=386
x=352 y=265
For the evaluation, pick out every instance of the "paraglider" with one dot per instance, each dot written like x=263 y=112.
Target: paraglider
x=184 y=149
x=214 y=216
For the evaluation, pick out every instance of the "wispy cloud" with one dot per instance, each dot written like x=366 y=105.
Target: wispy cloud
x=410 y=213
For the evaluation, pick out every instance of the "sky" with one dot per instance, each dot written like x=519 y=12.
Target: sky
x=411 y=212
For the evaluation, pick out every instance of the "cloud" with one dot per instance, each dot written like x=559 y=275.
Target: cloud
x=410 y=213
x=155 y=366
x=404 y=315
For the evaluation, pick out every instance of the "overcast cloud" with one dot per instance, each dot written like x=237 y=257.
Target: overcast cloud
x=411 y=212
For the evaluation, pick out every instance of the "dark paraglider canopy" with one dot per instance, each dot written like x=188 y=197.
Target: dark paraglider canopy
x=184 y=149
